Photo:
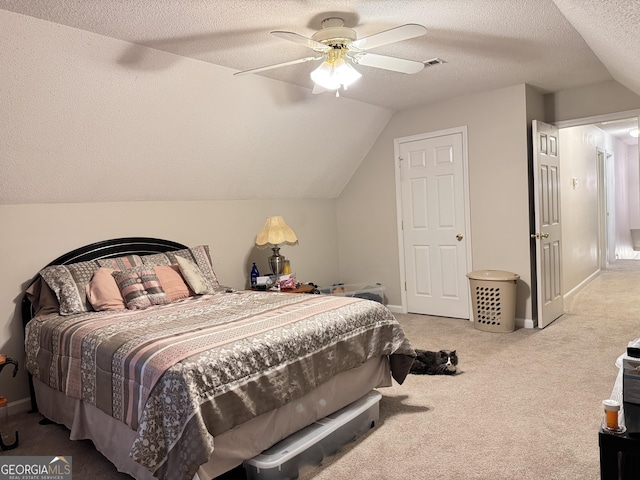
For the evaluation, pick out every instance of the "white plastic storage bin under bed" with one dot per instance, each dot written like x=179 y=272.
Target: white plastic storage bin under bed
x=367 y=291
x=310 y=445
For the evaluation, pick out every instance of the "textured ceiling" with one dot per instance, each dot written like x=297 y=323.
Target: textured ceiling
x=70 y=131
x=485 y=44
x=611 y=29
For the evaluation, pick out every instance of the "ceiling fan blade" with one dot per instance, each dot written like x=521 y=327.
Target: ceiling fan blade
x=278 y=65
x=388 y=63
x=397 y=34
x=302 y=40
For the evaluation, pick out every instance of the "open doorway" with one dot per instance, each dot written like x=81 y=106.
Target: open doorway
x=625 y=239
x=600 y=178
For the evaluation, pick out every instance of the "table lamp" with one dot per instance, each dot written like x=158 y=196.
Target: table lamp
x=275 y=233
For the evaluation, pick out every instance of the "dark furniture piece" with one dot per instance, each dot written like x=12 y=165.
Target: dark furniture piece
x=303 y=288
x=620 y=453
x=619 y=456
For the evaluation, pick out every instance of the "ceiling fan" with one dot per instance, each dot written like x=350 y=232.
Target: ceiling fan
x=340 y=48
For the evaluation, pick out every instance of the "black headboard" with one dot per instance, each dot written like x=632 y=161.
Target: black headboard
x=117 y=247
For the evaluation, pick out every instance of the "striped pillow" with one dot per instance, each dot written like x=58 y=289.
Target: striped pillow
x=140 y=287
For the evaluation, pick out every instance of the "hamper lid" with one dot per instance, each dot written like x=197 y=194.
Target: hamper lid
x=492 y=275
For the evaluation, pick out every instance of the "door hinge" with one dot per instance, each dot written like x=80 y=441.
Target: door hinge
x=405 y=286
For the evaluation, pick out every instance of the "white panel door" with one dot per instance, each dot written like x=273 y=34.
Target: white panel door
x=548 y=234
x=434 y=225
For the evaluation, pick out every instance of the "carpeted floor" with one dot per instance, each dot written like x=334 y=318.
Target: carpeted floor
x=526 y=404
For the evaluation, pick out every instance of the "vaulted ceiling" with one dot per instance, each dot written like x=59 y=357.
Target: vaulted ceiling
x=549 y=44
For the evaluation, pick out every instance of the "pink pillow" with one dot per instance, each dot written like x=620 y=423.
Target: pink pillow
x=172 y=282
x=103 y=292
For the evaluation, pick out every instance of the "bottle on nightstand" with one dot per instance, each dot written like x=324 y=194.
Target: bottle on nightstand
x=254 y=275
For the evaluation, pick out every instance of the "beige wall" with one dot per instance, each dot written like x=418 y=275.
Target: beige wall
x=582 y=102
x=498 y=176
x=580 y=229
x=88 y=118
x=580 y=222
x=33 y=235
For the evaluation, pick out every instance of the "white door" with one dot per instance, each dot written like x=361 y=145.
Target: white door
x=548 y=234
x=433 y=214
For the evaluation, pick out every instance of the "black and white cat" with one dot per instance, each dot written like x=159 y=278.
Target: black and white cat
x=443 y=362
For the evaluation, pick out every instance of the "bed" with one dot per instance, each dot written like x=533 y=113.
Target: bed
x=176 y=385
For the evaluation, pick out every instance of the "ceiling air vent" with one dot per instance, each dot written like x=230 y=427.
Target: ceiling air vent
x=433 y=62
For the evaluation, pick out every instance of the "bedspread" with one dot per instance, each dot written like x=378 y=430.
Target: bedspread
x=180 y=374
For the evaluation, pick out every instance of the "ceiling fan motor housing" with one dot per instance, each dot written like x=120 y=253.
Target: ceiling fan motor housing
x=334 y=33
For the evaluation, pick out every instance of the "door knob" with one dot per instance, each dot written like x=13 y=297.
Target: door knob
x=539 y=235
x=544 y=235
x=459 y=237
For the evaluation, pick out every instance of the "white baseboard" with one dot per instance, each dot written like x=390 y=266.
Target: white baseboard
x=395 y=308
x=581 y=284
x=525 y=323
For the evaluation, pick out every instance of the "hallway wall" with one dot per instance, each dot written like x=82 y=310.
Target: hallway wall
x=580 y=224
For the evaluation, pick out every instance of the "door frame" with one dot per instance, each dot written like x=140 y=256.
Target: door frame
x=603 y=243
x=606 y=207
x=610 y=195
x=467 y=210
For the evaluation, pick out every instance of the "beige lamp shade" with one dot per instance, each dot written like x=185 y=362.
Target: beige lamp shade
x=275 y=232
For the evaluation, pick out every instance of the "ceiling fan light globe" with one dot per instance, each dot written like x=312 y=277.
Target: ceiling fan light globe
x=325 y=77
x=331 y=75
x=346 y=73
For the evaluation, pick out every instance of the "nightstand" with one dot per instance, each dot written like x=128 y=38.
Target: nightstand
x=303 y=288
